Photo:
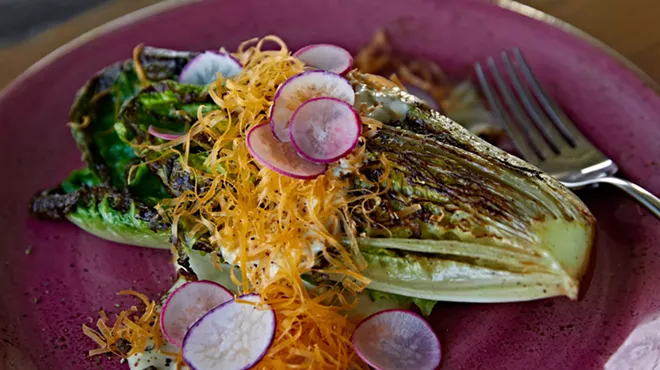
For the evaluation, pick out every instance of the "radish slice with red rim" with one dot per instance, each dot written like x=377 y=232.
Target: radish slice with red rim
x=397 y=339
x=278 y=156
x=301 y=88
x=203 y=69
x=233 y=336
x=328 y=57
x=187 y=304
x=155 y=131
x=324 y=129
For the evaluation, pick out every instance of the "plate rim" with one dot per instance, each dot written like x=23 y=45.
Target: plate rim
x=137 y=15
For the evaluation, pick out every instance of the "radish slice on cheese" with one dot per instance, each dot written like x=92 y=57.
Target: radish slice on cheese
x=187 y=304
x=301 y=88
x=279 y=156
x=324 y=130
x=233 y=336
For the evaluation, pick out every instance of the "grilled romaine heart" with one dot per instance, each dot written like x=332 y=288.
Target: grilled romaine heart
x=461 y=220
x=457 y=219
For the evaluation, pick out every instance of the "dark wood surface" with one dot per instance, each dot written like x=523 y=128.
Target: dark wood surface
x=631 y=27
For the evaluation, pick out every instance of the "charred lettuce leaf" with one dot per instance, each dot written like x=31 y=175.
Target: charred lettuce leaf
x=102 y=211
x=166 y=105
x=99 y=102
x=173 y=107
x=462 y=220
x=101 y=198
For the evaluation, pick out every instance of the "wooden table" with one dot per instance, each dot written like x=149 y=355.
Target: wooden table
x=628 y=26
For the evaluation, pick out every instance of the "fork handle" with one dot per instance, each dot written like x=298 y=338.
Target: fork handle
x=648 y=200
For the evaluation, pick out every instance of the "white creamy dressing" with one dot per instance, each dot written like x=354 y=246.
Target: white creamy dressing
x=386 y=107
x=343 y=167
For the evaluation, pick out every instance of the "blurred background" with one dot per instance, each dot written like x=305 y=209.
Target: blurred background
x=30 y=29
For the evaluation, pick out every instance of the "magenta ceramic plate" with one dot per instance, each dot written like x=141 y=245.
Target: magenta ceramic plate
x=69 y=275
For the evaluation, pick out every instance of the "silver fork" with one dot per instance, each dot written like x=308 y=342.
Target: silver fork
x=544 y=134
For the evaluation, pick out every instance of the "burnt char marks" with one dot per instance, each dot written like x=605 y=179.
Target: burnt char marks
x=55 y=204
x=176 y=178
x=163 y=64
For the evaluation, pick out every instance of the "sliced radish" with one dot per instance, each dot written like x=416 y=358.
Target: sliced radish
x=202 y=70
x=187 y=304
x=397 y=339
x=278 y=156
x=155 y=131
x=325 y=129
x=331 y=58
x=232 y=336
x=301 y=88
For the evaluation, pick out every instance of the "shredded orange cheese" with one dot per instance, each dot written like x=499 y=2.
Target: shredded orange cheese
x=274 y=228
x=137 y=331
x=137 y=65
x=267 y=223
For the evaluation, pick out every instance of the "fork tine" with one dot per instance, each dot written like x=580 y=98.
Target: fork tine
x=543 y=124
x=538 y=144
x=519 y=139
x=557 y=115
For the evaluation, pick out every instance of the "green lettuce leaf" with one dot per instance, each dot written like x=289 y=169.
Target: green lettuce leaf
x=166 y=105
x=103 y=212
x=424 y=305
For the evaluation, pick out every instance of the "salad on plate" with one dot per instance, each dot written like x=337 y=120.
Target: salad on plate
x=317 y=205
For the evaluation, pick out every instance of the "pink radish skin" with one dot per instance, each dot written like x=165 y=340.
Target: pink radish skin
x=233 y=336
x=397 y=339
x=154 y=131
x=278 y=156
x=325 y=129
x=301 y=88
x=203 y=69
x=187 y=304
x=328 y=57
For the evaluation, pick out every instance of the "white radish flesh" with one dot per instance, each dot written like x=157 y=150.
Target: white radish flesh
x=397 y=339
x=279 y=156
x=187 y=304
x=301 y=88
x=325 y=129
x=328 y=57
x=233 y=336
x=203 y=69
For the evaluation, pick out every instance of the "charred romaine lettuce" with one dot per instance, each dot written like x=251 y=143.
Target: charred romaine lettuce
x=166 y=105
x=102 y=211
x=102 y=198
x=479 y=224
x=460 y=220
x=97 y=106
